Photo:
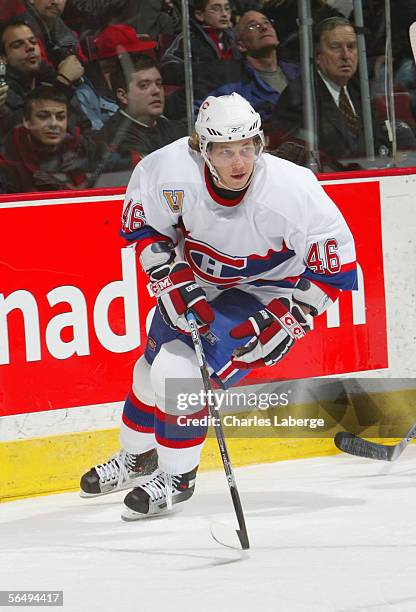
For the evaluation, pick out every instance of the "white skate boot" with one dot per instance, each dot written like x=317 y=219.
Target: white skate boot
x=122 y=471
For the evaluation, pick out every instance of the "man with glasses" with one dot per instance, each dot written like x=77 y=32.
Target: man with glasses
x=262 y=76
x=212 y=43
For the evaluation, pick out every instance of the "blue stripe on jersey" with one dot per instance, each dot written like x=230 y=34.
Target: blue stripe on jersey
x=140 y=234
x=258 y=265
x=341 y=280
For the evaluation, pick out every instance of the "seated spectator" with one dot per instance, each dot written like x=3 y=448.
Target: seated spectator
x=112 y=42
x=55 y=38
x=20 y=50
x=212 y=42
x=109 y=44
x=42 y=152
x=339 y=112
x=139 y=127
x=263 y=76
x=59 y=43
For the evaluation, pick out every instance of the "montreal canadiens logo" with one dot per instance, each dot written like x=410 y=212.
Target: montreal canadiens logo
x=227 y=270
x=212 y=265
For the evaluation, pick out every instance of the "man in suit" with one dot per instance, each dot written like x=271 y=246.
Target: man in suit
x=339 y=112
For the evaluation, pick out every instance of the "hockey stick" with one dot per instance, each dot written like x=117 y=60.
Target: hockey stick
x=354 y=445
x=412 y=36
x=221 y=533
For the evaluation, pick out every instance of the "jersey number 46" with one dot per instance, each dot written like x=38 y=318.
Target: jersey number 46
x=324 y=257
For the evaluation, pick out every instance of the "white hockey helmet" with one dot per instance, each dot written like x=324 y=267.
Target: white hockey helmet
x=227 y=119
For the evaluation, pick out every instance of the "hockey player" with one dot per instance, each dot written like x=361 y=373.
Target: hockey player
x=254 y=246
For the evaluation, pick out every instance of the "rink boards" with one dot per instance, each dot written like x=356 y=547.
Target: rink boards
x=74 y=308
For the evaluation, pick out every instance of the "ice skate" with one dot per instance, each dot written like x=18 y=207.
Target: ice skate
x=122 y=471
x=159 y=495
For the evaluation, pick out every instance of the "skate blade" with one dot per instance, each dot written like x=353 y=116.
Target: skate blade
x=129 y=515
x=227 y=536
x=85 y=495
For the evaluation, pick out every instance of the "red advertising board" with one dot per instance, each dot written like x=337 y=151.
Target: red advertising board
x=72 y=323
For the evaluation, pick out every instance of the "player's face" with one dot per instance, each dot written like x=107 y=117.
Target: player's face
x=22 y=50
x=337 y=55
x=233 y=161
x=217 y=14
x=48 y=122
x=145 y=97
x=256 y=33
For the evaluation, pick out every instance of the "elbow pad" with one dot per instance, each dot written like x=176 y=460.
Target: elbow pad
x=307 y=293
x=157 y=254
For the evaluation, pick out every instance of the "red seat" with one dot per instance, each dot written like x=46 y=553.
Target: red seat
x=169 y=89
x=402 y=105
x=164 y=41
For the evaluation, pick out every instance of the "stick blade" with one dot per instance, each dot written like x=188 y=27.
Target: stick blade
x=228 y=536
x=354 y=445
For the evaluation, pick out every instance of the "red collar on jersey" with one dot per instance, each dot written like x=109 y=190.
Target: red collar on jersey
x=215 y=193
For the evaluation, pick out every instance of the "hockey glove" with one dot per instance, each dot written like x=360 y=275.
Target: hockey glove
x=175 y=287
x=275 y=329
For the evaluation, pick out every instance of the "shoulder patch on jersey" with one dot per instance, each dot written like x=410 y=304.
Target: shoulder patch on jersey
x=174 y=198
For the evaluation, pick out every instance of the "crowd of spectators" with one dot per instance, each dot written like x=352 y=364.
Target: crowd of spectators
x=90 y=87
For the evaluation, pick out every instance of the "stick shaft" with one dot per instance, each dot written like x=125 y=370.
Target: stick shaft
x=214 y=413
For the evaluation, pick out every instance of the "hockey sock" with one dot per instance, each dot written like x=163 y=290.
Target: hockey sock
x=180 y=439
x=137 y=428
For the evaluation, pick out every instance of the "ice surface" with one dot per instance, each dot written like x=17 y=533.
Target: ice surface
x=329 y=534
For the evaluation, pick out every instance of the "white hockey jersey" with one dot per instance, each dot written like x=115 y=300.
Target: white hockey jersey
x=284 y=227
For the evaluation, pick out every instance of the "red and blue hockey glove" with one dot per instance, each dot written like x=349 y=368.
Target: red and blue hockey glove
x=176 y=290
x=274 y=329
